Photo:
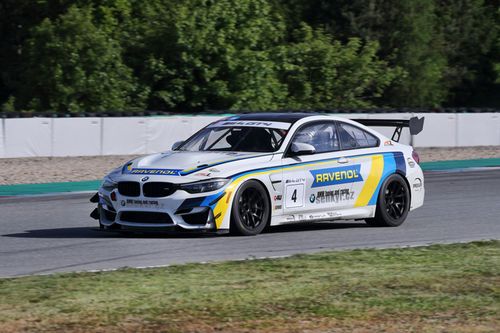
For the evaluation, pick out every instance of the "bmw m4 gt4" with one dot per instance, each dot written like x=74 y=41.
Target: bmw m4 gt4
x=246 y=172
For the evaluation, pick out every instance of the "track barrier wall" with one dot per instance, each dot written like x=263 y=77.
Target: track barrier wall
x=32 y=137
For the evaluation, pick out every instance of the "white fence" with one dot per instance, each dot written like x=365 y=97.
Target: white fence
x=25 y=137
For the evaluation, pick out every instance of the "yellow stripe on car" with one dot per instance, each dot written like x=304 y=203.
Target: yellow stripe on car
x=376 y=171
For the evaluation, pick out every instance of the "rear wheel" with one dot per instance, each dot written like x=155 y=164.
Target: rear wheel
x=393 y=203
x=251 y=209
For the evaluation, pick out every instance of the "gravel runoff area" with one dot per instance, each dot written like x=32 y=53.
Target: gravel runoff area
x=64 y=169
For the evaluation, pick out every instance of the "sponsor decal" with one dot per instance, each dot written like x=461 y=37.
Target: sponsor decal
x=295 y=180
x=278 y=197
x=142 y=203
x=333 y=214
x=334 y=196
x=318 y=216
x=248 y=123
x=277 y=207
x=334 y=176
x=203 y=174
x=127 y=167
x=214 y=170
x=388 y=143
x=158 y=172
x=252 y=123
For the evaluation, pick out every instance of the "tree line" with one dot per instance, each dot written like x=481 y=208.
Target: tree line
x=192 y=55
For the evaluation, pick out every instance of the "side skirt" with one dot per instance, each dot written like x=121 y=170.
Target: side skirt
x=344 y=214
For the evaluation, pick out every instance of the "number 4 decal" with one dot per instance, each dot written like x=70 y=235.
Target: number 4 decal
x=294 y=196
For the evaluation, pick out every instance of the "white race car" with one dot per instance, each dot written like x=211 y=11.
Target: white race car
x=246 y=172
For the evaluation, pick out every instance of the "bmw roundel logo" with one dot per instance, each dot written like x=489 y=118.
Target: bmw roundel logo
x=312 y=198
x=145 y=178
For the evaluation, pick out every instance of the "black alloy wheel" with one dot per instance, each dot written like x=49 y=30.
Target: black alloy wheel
x=395 y=200
x=250 y=212
x=393 y=203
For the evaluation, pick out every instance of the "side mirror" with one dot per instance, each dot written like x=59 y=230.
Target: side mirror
x=300 y=148
x=177 y=145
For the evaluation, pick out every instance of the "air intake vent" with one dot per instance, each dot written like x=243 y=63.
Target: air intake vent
x=146 y=217
x=129 y=189
x=158 y=189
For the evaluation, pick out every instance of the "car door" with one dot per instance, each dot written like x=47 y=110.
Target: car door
x=319 y=182
x=359 y=151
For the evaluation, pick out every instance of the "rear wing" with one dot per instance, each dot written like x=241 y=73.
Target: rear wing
x=416 y=125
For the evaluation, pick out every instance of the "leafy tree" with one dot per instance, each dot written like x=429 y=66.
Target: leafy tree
x=17 y=18
x=445 y=46
x=408 y=37
x=469 y=29
x=323 y=73
x=208 y=54
x=189 y=55
x=232 y=54
x=72 y=65
x=419 y=52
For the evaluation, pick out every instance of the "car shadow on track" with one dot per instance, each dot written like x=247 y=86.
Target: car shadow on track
x=86 y=232
x=77 y=232
x=308 y=226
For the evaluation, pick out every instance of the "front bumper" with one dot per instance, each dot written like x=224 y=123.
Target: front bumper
x=179 y=211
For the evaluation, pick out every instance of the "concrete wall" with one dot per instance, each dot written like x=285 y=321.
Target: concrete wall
x=478 y=129
x=83 y=134
x=2 y=137
x=28 y=137
x=24 y=137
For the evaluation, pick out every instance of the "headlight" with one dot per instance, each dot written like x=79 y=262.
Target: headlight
x=204 y=186
x=109 y=184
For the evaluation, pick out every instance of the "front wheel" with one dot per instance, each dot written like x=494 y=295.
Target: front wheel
x=251 y=209
x=393 y=203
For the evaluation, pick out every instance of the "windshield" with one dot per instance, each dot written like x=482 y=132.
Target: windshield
x=248 y=139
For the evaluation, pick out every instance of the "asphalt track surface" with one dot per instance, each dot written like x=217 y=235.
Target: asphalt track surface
x=55 y=234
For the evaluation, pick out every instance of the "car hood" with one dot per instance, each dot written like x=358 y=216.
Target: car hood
x=186 y=162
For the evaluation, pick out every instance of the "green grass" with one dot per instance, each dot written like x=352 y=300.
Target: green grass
x=453 y=288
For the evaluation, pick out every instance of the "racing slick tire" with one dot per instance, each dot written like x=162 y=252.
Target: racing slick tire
x=393 y=203
x=251 y=211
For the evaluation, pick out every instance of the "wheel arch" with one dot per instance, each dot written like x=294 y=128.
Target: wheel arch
x=399 y=172
x=266 y=189
x=396 y=172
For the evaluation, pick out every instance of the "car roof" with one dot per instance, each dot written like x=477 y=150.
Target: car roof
x=291 y=117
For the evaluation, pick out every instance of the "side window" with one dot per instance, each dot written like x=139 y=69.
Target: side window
x=354 y=137
x=322 y=136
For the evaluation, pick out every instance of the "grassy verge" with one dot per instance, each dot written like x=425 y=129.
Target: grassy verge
x=453 y=288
